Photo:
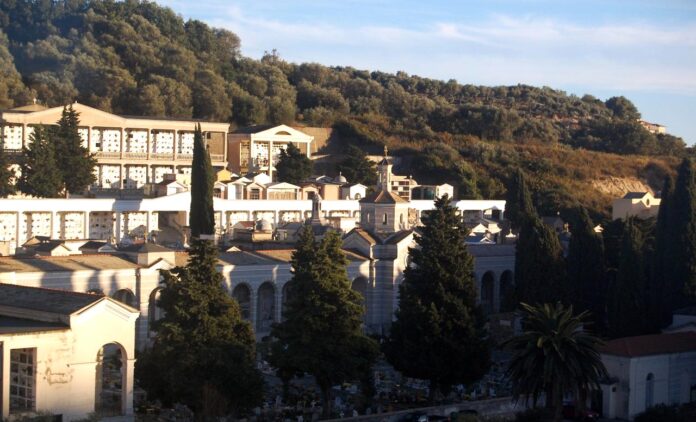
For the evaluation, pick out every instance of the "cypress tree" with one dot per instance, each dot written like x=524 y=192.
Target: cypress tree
x=40 y=174
x=539 y=266
x=7 y=185
x=627 y=305
x=683 y=214
x=661 y=291
x=293 y=166
x=204 y=352
x=586 y=269
x=76 y=164
x=201 y=216
x=321 y=334
x=518 y=204
x=439 y=333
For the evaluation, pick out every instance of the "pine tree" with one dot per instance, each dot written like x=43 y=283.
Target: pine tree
x=293 y=166
x=586 y=269
x=204 y=352
x=75 y=163
x=7 y=185
x=518 y=204
x=357 y=168
x=627 y=304
x=321 y=334
x=201 y=216
x=40 y=174
x=683 y=214
x=539 y=266
x=439 y=334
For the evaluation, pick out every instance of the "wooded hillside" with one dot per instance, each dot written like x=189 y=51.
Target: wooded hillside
x=139 y=58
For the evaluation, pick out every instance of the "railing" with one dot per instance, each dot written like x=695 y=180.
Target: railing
x=106 y=154
x=161 y=156
x=184 y=157
x=135 y=155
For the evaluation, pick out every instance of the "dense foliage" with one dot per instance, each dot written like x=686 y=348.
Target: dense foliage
x=139 y=58
x=40 y=175
x=201 y=218
x=74 y=161
x=293 y=166
x=204 y=353
x=7 y=176
x=554 y=356
x=439 y=333
x=321 y=333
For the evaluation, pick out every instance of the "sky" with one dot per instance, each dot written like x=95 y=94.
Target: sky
x=644 y=50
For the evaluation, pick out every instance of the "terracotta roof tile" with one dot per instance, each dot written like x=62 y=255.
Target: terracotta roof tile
x=654 y=344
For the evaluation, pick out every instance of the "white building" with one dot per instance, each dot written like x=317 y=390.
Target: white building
x=635 y=204
x=64 y=353
x=130 y=151
x=648 y=370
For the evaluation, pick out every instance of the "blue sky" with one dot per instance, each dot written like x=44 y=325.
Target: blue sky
x=644 y=50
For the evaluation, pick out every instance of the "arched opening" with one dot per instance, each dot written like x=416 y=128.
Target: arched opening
x=649 y=390
x=507 y=292
x=242 y=294
x=287 y=294
x=154 y=312
x=265 y=307
x=360 y=286
x=126 y=296
x=384 y=218
x=110 y=381
x=487 y=286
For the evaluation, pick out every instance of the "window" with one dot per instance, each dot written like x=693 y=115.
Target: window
x=401 y=219
x=649 y=390
x=254 y=194
x=384 y=219
x=22 y=380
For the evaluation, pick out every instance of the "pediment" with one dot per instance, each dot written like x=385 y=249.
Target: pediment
x=284 y=132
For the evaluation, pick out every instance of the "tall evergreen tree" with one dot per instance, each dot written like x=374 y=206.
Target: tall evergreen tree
x=683 y=248
x=204 y=352
x=357 y=168
x=627 y=303
x=293 y=166
x=75 y=163
x=539 y=266
x=322 y=334
x=40 y=174
x=7 y=185
x=439 y=334
x=518 y=204
x=201 y=216
x=586 y=269
x=661 y=291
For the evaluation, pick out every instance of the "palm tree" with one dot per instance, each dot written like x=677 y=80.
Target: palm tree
x=554 y=356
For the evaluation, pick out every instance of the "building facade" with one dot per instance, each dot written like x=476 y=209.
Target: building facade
x=130 y=151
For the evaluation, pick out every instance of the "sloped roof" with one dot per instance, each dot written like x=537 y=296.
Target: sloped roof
x=147 y=247
x=383 y=197
x=654 y=344
x=253 y=129
x=11 y=325
x=61 y=302
x=635 y=195
x=397 y=237
x=281 y=185
x=64 y=263
x=30 y=108
x=372 y=240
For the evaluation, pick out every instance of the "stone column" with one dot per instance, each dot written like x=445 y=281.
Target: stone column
x=271 y=168
x=24 y=135
x=253 y=305
x=5 y=386
x=495 y=306
x=117 y=228
x=148 y=147
x=85 y=225
x=122 y=145
x=54 y=219
x=121 y=173
x=175 y=145
x=127 y=402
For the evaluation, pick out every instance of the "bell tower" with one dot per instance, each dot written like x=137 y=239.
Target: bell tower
x=385 y=171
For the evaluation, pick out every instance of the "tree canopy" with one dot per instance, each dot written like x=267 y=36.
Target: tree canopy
x=293 y=166
x=201 y=216
x=438 y=334
x=357 y=168
x=321 y=333
x=76 y=164
x=40 y=175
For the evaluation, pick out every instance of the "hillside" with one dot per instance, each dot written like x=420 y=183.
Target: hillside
x=139 y=58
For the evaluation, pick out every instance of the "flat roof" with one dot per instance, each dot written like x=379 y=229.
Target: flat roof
x=654 y=344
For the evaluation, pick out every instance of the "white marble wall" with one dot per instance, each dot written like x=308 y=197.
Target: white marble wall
x=185 y=143
x=136 y=176
x=163 y=142
x=109 y=176
x=136 y=140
